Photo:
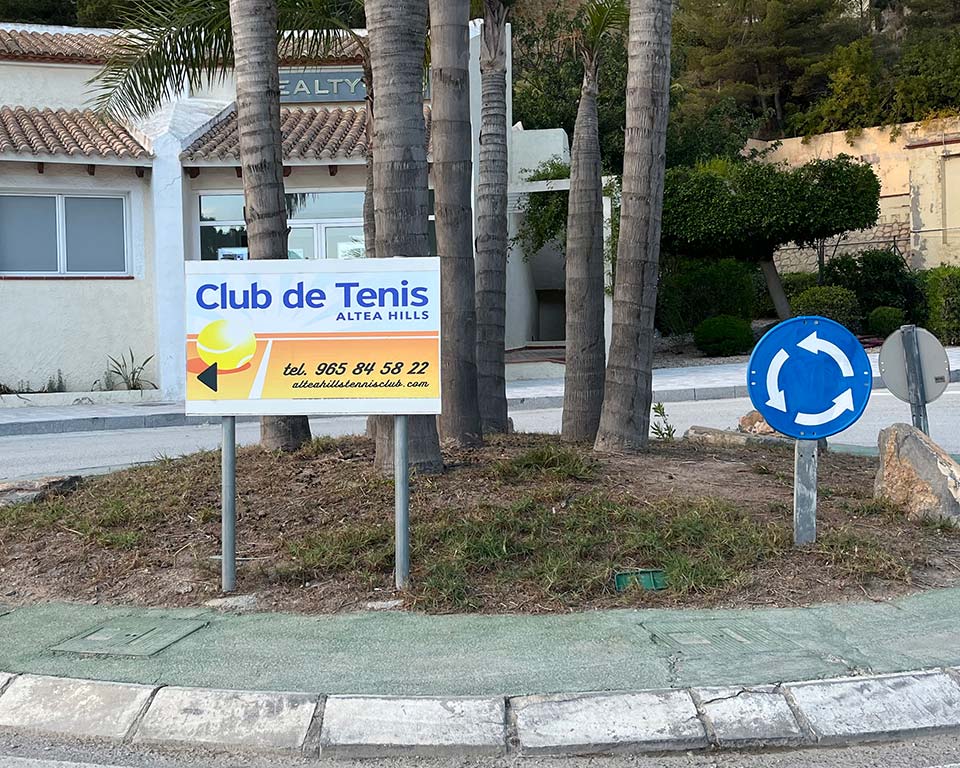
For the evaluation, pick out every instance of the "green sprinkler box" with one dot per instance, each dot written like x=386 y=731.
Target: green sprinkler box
x=652 y=579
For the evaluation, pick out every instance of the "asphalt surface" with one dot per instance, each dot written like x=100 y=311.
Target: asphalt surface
x=94 y=452
x=933 y=752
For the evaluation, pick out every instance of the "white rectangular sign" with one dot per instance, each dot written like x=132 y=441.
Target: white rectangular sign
x=313 y=337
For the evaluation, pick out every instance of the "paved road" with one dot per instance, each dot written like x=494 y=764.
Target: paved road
x=91 y=452
x=934 y=752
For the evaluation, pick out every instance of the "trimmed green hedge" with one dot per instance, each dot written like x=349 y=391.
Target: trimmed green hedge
x=723 y=336
x=830 y=301
x=942 y=287
x=691 y=290
x=794 y=283
x=879 y=278
x=885 y=320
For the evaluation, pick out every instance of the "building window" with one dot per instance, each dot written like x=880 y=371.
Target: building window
x=323 y=225
x=62 y=235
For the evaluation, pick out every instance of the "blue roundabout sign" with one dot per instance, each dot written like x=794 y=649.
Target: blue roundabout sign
x=810 y=378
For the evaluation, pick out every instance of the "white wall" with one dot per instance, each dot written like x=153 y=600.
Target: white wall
x=58 y=86
x=73 y=324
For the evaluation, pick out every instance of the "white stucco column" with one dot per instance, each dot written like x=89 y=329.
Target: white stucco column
x=167 y=190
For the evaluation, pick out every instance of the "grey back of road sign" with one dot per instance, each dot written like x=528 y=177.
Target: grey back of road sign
x=933 y=362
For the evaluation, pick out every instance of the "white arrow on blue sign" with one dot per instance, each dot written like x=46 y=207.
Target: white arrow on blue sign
x=810 y=378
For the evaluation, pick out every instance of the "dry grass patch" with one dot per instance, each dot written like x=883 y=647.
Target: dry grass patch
x=522 y=524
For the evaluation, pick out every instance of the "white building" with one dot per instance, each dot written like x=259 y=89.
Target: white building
x=97 y=218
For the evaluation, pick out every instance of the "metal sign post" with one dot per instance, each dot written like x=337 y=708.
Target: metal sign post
x=228 y=514
x=329 y=337
x=915 y=368
x=401 y=482
x=810 y=378
x=805 y=493
x=918 y=398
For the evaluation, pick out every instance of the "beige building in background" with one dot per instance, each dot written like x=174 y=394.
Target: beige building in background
x=918 y=165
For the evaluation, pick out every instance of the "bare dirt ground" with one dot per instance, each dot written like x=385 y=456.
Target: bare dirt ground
x=521 y=524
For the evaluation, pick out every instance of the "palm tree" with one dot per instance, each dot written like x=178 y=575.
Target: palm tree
x=177 y=42
x=397 y=36
x=257 y=72
x=452 y=181
x=586 y=351
x=625 y=418
x=492 y=218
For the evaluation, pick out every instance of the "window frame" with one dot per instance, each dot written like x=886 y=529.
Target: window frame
x=318 y=225
x=61 y=225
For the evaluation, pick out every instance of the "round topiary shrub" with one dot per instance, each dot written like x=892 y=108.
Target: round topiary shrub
x=724 y=335
x=830 y=301
x=885 y=320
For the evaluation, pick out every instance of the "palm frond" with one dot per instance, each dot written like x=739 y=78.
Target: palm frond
x=169 y=45
x=166 y=45
x=598 y=21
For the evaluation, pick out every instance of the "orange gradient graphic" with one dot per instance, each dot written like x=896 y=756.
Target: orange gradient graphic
x=361 y=365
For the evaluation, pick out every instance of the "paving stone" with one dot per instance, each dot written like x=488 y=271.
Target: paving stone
x=747 y=717
x=269 y=722
x=358 y=726
x=60 y=705
x=881 y=707
x=651 y=721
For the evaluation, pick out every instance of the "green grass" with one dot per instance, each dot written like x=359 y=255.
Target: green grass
x=858 y=556
x=554 y=552
x=548 y=460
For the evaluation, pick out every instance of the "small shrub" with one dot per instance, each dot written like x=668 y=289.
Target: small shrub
x=879 y=278
x=830 y=301
x=942 y=287
x=723 y=336
x=691 y=290
x=885 y=320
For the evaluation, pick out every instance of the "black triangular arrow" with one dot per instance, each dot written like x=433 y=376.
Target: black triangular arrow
x=209 y=377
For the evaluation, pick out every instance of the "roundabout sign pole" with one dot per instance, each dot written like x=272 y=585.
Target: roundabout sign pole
x=810 y=378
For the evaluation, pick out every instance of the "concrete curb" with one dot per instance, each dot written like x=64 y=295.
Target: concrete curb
x=178 y=419
x=802 y=714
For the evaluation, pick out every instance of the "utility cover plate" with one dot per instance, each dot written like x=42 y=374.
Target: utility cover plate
x=711 y=637
x=130 y=637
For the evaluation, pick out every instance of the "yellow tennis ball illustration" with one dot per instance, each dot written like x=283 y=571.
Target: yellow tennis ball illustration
x=229 y=344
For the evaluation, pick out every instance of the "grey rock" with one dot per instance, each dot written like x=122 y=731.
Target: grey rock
x=236 y=603
x=918 y=475
x=25 y=491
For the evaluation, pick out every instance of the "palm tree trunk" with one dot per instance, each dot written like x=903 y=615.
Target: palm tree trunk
x=492 y=221
x=452 y=182
x=625 y=418
x=397 y=31
x=369 y=220
x=254 y=24
x=585 y=359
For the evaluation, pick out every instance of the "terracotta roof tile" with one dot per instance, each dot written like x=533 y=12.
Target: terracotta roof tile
x=308 y=134
x=75 y=133
x=35 y=45
x=89 y=48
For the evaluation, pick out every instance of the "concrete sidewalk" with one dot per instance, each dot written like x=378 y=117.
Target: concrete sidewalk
x=375 y=683
x=708 y=382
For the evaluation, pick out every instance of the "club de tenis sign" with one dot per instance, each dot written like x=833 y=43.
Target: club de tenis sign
x=313 y=337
